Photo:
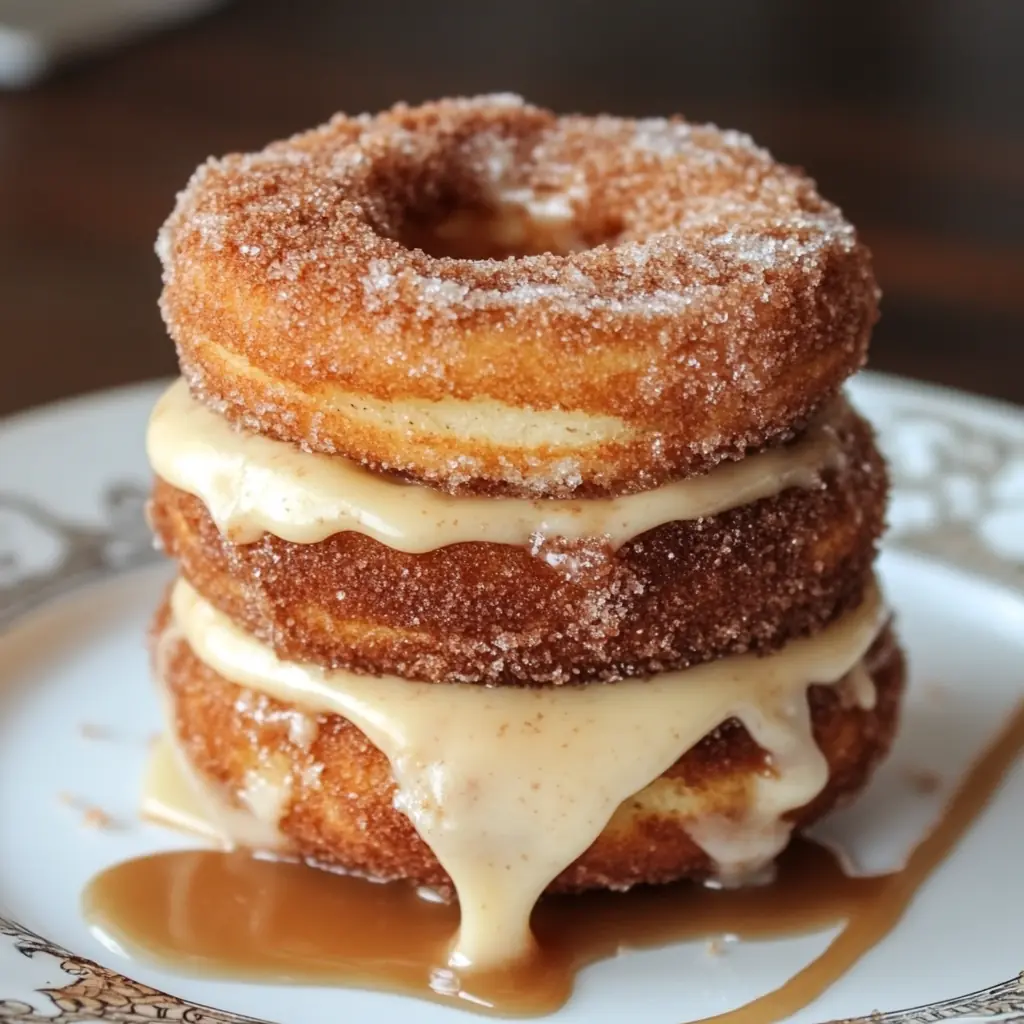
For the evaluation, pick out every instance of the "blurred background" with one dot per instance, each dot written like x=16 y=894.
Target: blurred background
x=910 y=113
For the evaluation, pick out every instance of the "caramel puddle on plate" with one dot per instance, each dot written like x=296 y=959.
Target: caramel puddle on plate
x=230 y=914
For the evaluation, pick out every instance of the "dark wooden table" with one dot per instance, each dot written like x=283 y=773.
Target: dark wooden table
x=910 y=115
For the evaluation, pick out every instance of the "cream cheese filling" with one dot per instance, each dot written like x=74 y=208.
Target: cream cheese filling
x=508 y=786
x=253 y=485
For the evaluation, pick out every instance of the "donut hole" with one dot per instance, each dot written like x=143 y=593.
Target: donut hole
x=485 y=222
x=491 y=231
x=486 y=234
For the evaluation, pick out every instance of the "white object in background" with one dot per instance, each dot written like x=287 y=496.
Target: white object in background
x=37 y=34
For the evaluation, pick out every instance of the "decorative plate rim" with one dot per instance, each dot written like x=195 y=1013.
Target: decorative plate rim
x=975 y=440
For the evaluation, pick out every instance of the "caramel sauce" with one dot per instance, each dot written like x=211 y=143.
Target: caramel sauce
x=509 y=785
x=231 y=914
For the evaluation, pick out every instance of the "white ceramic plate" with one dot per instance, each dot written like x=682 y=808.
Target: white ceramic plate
x=78 y=579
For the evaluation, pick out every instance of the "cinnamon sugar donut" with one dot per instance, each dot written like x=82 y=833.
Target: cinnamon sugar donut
x=750 y=578
x=341 y=810
x=484 y=296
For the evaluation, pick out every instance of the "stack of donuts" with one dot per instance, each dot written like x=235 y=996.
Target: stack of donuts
x=525 y=535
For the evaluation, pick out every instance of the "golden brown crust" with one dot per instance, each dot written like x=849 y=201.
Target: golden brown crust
x=707 y=301
x=685 y=592
x=341 y=811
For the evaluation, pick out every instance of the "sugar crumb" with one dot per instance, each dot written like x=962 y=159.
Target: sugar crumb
x=93 y=731
x=924 y=780
x=92 y=816
x=96 y=817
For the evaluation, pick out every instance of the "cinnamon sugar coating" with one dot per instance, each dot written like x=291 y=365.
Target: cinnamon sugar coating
x=747 y=579
x=341 y=809
x=482 y=295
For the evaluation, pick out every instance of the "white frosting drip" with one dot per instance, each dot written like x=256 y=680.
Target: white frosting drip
x=744 y=847
x=859 y=689
x=509 y=785
x=194 y=804
x=253 y=485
